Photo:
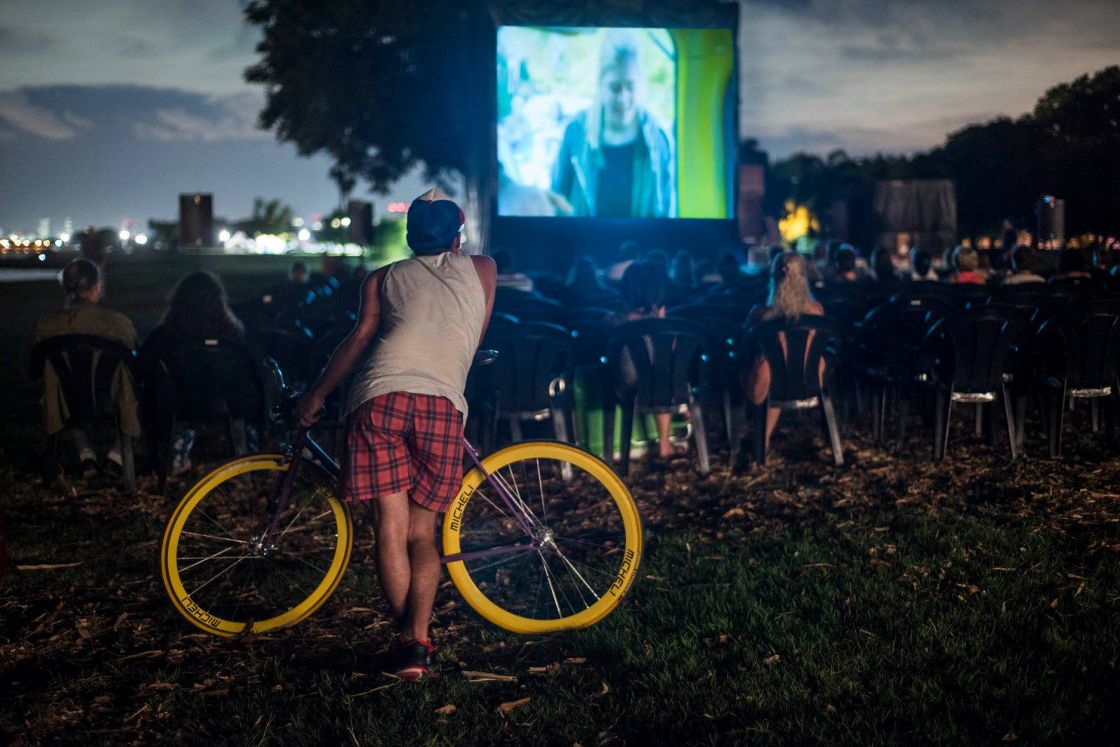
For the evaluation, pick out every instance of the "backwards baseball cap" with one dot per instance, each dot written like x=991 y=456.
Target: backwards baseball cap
x=433 y=221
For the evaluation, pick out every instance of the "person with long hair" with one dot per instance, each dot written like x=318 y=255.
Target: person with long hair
x=199 y=308
x=790 y=298
x=615 y=160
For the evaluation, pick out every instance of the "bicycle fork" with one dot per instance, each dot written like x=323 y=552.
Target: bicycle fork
x=278 y=496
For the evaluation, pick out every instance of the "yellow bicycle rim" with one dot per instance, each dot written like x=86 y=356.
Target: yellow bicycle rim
x=597 y=469
x=211 y=623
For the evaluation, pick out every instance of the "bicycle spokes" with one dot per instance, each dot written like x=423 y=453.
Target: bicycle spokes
x=576 y=532
x=233 y=563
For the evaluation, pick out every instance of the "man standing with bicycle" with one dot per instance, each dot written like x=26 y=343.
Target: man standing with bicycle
x=420 y=322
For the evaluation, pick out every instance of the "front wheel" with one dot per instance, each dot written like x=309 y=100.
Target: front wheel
x=218 y=573
x=588 y=532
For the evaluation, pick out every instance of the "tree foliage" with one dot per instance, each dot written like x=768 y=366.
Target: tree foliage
x=382 y=87
x=379 y=87
x=269 y=216
x=1068 y=146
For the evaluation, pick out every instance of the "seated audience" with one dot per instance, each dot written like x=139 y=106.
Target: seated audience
x=921 y=265
x=965 y=264
x=818 y=269
x=507 y=276
x=199 y=308
x=844 y=265
x=1072 y=265
x=675 y=294
x=882 y=265
x=682 y=271
x=643 y=290
x=81 y=315
x=1023 y=267
x=349 y=291
x=582 y=286
x=730 y=271
x=628 y=253
x=789 y=298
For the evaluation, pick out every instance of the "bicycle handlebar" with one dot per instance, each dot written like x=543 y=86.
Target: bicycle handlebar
x=284 y=411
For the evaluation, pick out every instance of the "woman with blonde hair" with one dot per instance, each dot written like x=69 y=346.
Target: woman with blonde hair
x=790 y=298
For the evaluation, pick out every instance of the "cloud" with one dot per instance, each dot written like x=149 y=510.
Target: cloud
x=157 y=114
x=21 y=41
x=18 y=112
x=891 y=53
x=179 y=124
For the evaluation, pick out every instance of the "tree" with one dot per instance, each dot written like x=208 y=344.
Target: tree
x=270 y=216
x=1068 y=146
x=378 y=87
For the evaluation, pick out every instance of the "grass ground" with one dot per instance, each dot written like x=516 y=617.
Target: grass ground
x=892 y=600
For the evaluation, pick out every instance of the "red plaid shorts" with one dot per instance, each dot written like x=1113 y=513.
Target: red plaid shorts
x=405 y=441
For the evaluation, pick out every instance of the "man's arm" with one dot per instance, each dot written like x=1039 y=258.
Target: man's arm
x=488 y=276
x=347 y=354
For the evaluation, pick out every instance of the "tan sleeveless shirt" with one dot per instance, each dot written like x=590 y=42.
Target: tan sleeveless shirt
x=432 y=310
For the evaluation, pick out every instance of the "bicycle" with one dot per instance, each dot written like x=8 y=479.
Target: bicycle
x=262 y=541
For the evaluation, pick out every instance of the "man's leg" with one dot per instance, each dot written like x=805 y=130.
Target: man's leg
x=392 y=550
x=424 y=566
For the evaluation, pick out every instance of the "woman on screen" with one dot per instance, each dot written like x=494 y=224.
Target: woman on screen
x=615 y=161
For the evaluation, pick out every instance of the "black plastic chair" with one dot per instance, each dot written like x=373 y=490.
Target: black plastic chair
x=656 y=365
x=600 y=298
x=1080 y=355
x=795 y=381
x=321 y=317
x=529 y=307
x=290 y=344
x=724 y=331
x=934 y=291
x=888 y=351
x=198 y=380
x=969 y=351
x=534 y=376
x=85 y=366
x=591 y=328
x=970 y=294
x=1038 y=305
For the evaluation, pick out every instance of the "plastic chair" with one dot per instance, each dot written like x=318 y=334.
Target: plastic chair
x=725 y=333
x=198 y=380
x=85 y=366
x=656 y=365
x=290 y=344
x=591 y=328
x=321 y=317
x=934 y=291
x=1081 y=357
x=534 y=375
x=969 y=350
x=888 y=351
x=529 y=307
x=795 y=381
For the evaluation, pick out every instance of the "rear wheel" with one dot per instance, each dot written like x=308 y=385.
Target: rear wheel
x=589 y=539
x=216 y=571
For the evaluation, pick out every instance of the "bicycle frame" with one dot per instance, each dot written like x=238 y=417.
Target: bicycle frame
x=281 y=491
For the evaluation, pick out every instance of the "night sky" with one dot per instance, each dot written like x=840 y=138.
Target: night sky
x=109 y=109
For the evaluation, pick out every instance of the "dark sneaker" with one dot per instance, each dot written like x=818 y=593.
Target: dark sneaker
x=408 y=660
